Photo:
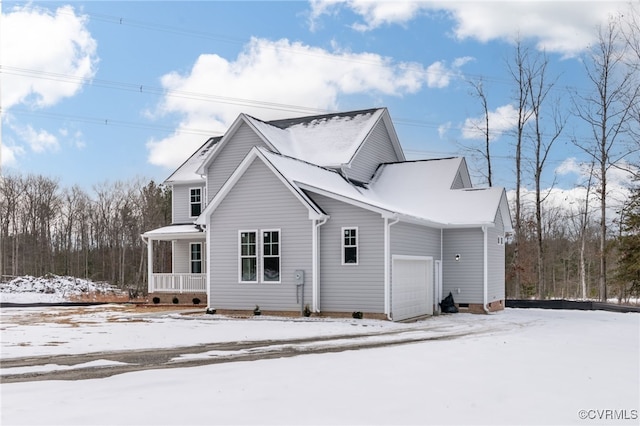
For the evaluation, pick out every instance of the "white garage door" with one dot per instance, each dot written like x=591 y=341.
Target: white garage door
x=411 y=287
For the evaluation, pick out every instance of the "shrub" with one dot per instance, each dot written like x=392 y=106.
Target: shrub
x=156 y=300
x=175 y=301
x=196 y=301
x=357 y=315
x=211 y=311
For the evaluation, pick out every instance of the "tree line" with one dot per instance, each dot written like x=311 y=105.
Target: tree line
x=571 y=251
x=45 y=228
x=589 y=249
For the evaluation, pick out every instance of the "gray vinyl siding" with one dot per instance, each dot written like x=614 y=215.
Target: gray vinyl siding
x=377 y=148
x=495 y=287
x=458 y=182
x=181 y=256
x=468 y=273
x=415 y=240
x=228 y=159
x=259 y=201
x=180 y=208
x=349 y=288
x=463 y=173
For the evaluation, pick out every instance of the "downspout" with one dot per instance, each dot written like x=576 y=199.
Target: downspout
x=485 y=293
x=315 y=267
x=207 y=261
x=387 y=264
x=441 y=245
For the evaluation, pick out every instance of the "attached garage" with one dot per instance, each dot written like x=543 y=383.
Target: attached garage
x=411 y=287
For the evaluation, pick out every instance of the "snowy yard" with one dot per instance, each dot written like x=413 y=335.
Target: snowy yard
x=517 y=367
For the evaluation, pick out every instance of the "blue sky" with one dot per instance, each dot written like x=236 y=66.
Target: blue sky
x=106 y=91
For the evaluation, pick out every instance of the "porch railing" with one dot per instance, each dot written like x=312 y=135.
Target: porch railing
x=181 y=283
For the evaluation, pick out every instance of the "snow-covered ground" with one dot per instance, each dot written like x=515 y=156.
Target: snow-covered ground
x=521 y=366
x=53 y=289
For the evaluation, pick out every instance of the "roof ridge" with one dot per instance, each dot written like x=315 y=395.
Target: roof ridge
x=284 y=123
x=265 y=150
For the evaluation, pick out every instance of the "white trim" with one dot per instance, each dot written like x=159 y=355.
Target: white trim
x=314 y=211
x=343 y=245
x=387 y=265
x=235 y=126
x=207 y=251
x=315 y=262
x=257 y=243
x=202 y=271
x=190 y=203
x=262 y=256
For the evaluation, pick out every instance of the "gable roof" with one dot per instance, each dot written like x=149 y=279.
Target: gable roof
x=419 y=175
x=188 y=171
x=328 y=140
x=437 y=205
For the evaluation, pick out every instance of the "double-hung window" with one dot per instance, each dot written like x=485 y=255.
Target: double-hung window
x=349 y=246
x=196 y=258
x=271 y=256
x=195 y=201
x=248 y=256
x=259 y=256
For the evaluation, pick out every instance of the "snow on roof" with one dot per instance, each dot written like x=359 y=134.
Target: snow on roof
x=186 y=230
x=187 y=172
x=399 y=184
x=402 y=188
x=327 y=140
x=420 y=175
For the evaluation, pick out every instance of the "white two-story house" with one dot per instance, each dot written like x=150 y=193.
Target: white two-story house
x=325 y=212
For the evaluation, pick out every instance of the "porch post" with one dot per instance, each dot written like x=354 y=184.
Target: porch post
x=150 y=283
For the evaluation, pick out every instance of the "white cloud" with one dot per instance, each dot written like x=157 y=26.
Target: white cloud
x=36 y=41
x=572 y=200
x=269 y=79
x=374 y=13
x=501 y=120
x=9 y=154
x=562 y=27
x=439 y=75
x=443 y=129
x=619 y=176
x=38 y=140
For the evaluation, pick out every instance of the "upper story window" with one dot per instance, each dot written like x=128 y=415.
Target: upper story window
x=349 y=246
x=195 y=202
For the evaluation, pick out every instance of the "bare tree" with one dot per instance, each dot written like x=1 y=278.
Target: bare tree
x=518 y=73
x=479 y=92
x=543 y=140
x=607 y=109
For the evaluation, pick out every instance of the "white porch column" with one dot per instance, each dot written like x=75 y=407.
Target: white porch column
x=150 y=283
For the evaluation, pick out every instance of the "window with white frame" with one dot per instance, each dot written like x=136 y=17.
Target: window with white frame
x=248 y=256
x=195 y=201
x=196 y=258
x=349 y=246
x=271 y=256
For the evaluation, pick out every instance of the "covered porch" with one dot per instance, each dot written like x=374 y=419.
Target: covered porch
x=188 y=267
